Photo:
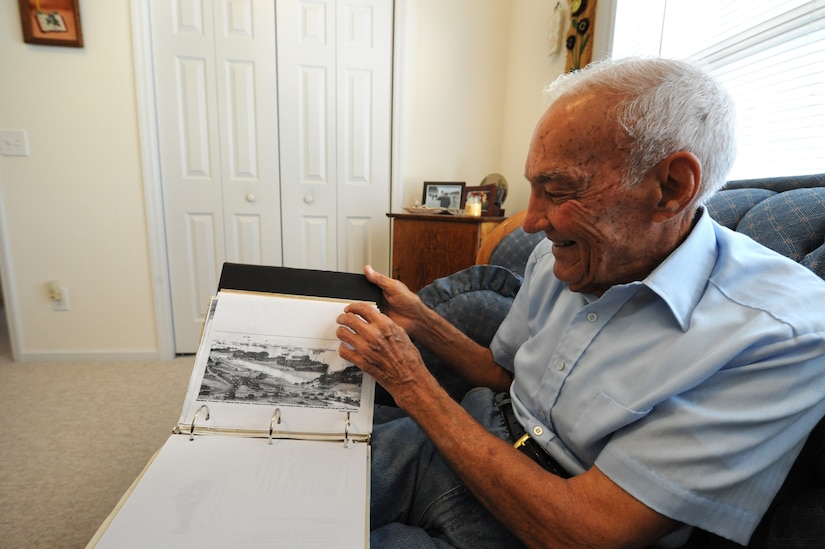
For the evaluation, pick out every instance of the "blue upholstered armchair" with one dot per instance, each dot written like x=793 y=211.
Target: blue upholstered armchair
x=784 y=214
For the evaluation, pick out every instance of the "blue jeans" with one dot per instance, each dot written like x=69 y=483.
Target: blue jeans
x=416 y=499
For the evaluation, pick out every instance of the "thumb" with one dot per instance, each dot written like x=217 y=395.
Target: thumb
x=372 y=275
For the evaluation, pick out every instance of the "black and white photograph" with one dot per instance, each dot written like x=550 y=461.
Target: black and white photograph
x=273 y=370
x=445 y=195
x=263 y=353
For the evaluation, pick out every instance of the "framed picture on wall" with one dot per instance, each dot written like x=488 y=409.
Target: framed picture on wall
x=443 y=194
x=51 y=22
x=488 y=198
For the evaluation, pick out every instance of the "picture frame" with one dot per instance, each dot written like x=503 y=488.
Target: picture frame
x=51 y=22
x=488 y=199
x=438 y=193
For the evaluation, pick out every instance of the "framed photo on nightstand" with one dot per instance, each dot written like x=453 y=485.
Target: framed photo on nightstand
x=443 y=194
x=488 y=199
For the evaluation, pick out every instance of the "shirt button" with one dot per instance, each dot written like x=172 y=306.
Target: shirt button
x=560 y=365
x=592 y=317
x=538 y=431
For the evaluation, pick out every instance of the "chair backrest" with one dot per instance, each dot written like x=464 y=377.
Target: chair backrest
x=508 y=245
x=790 y=222
x=488 y=245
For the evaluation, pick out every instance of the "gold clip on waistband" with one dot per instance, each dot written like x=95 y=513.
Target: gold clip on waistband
x=521 y=441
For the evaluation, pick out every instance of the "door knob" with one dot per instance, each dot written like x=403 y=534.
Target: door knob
x=251 y=198
x=308 y=199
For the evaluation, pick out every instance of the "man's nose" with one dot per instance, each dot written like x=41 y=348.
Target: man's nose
x=535 y=220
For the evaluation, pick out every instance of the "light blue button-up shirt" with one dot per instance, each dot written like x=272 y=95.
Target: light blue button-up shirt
x=693 y=389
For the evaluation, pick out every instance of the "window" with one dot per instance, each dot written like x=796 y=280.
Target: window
x=769 y=54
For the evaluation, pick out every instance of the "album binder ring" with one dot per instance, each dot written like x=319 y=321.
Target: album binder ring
x=276 y=419
x=194 y=419
x=346 y=432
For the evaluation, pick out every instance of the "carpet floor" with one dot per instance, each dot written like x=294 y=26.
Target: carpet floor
x=73 y=437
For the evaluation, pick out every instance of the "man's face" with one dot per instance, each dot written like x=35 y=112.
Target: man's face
x=602 y=233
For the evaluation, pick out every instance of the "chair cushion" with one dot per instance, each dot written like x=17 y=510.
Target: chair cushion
x=791 y=223
x=514 y=250
x=475 y=301
x=780 y=184
x=728 y=207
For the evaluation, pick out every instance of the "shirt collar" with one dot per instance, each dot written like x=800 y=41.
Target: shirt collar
x=680 y=279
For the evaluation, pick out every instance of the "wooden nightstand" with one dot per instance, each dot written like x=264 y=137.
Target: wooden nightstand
x=429 y=246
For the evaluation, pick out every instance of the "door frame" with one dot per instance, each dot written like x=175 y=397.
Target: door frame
x=150 y=159
x=152 y=189
x=9 y=294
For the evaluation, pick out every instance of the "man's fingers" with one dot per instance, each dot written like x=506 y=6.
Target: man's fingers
x=346 y=352
x=359 y=323
x=364 y=310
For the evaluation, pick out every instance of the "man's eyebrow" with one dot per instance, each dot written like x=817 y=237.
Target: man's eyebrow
x=550 y=177
x=563 y=178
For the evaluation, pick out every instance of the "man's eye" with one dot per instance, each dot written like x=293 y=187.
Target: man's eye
x=554 y=195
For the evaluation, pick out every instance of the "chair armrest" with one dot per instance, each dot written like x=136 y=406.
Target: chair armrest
x=475 y=301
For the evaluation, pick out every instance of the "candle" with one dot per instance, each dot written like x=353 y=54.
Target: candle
x=473 y=205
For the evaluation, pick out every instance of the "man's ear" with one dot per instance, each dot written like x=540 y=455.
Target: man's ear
x=679 y=176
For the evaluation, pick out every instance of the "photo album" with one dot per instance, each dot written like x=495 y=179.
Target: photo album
x=272 y=444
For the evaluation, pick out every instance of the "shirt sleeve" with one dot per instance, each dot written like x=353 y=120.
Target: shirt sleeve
x=715 y=456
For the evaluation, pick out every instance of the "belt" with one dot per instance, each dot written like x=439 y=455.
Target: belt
x=526 y=445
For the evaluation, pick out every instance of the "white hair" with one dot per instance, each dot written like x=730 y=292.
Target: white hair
x=664 y=106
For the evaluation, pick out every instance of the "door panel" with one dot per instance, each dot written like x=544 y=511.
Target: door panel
x=189 y=157
x=334 y=62
x=256 y=136
x=193 y=108
x=246 y=236
x=357 y=238
x=216 y=89
x=364 y=65
x=245 y=64
x=201 y=253
x=306 y=94
x=315 y=233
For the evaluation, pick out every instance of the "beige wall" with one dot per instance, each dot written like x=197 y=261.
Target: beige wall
x=472 y=74
x=470 y=82
x=73 y=210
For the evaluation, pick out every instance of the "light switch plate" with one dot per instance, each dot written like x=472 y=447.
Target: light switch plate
x=14 y=143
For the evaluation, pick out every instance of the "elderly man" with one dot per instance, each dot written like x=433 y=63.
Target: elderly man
x=656 y=371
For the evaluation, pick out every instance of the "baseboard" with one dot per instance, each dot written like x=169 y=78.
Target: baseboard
x=148 y=355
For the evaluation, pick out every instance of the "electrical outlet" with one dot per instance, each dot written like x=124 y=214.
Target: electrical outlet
x=14 y=143
x=60 y=298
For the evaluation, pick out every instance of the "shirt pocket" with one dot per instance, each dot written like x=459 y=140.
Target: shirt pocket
x=596 y=423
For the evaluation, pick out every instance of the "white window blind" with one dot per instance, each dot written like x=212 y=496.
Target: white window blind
x=770 y=55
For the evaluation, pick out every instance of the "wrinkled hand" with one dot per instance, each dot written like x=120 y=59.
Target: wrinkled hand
x=400 y=304
x=380 y=347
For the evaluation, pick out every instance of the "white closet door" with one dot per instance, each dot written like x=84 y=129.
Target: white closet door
x=306 y=79
x=334 y=71
x=216 y=92
x=364 y=129
x=245 y=63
